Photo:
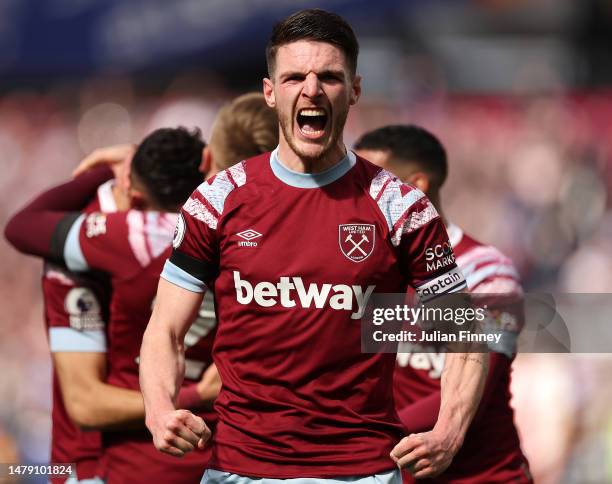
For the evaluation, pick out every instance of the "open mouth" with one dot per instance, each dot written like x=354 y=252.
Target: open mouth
x=312 y=121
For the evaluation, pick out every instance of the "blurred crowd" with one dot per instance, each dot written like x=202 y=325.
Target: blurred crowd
x=529 y=174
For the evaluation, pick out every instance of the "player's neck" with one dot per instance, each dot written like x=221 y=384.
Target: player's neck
x=290 y=159
x=122 y=199
x=444 y=219
x=146 y=204
x=434 y=198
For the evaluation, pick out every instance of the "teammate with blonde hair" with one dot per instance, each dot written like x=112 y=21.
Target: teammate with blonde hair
x=244 y=127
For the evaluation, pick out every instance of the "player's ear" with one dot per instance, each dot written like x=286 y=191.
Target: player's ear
x=268 y=92
x=206 y=164
x=137 y=198
x=420 y=180
x=355 y=90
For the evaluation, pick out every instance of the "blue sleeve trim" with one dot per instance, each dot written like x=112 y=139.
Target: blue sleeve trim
x=181 y=278
x=69 y=339
x=73 y=255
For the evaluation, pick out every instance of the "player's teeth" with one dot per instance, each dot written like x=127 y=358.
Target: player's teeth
x=312 y=112
x=311 y=131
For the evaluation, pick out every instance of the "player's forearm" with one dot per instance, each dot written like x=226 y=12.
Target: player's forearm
x=422 y=415
x=462 y=385
x=161 y=369
x=162 y=355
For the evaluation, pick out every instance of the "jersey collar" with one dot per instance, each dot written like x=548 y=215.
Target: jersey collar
x=311 y=180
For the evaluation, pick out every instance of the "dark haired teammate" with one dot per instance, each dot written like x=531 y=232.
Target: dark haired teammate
x=131 y=247
x=293 y=243
x=491 y=451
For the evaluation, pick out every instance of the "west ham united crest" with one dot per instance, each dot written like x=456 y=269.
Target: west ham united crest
x=356 y=240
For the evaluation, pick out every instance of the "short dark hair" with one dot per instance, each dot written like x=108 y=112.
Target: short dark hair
x=409 y=143
x=166 y=162
x=318 y=25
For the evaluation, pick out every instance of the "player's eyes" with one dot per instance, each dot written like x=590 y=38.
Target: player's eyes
x=294 y=78
x=330 y=78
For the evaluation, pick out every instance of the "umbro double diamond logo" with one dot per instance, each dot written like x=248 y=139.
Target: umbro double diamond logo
x=249 y=236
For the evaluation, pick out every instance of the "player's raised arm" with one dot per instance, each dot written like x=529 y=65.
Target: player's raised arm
x=40 y=228
x=175 y=432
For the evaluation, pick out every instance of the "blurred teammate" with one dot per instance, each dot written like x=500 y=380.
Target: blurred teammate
x=244 y=127
x=76 y=310
x=293 y=243
x=131 y=247
x=491 y=451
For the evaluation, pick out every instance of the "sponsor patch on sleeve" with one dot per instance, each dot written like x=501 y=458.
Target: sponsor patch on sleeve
x=439 y=256
x=95 y=225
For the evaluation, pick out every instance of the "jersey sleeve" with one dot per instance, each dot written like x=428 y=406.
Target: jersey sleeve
x=114 y=243
x=40 y=227
x=494 y=273
x=105 y=200
x=194 y=262
x=425 y=254
x=495 y=284
x=74 y=313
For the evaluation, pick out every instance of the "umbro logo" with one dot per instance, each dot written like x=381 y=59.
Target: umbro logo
x=248 y=235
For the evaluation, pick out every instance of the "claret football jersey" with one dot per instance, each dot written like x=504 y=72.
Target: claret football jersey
x=132 y=247
x=76 y=310
x=292 y=259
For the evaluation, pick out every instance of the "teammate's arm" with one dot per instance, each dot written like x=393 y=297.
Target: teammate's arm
x=162 y=366
x=34 y=229
x=91 y=403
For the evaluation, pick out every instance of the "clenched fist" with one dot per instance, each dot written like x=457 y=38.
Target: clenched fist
x=426 y=454
x=178 y=432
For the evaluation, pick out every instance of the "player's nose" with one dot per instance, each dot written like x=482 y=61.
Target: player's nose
x=312 y=85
